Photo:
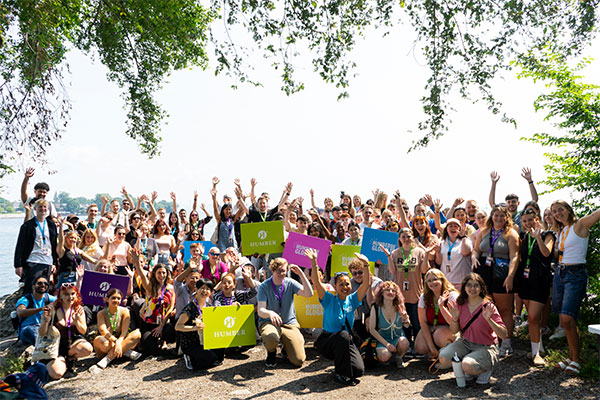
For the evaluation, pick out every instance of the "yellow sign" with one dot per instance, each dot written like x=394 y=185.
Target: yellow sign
x=341 y=256
x=309 y=312
x=228 y=326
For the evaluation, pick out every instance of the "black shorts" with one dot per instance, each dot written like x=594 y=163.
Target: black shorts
x=536 y=287
x=493 y=277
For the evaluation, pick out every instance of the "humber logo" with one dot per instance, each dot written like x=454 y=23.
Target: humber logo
x=104 y=286
x=229 y=322
x=262 y=235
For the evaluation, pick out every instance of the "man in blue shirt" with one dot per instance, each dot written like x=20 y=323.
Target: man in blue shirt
x=30 y=308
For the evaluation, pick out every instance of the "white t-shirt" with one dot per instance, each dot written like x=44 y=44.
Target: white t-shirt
x=42 y=248
x=458 y=266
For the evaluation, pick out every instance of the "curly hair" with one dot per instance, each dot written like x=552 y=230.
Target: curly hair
x=398 y=301
x=78 y=300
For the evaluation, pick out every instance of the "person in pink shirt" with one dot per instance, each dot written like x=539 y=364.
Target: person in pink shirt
x=478 y=319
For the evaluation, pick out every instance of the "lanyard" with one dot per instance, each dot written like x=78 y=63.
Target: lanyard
x=113 y=323
x=450 y=247
x=198 y=307
x=354 y=244
x=563 y=238
x=406 y=261
x=173 y=230
x=437 y=310
x=530 y=245
x=42 y=230
x=280 y=294
x=68 y=320
x=143 y=245
x=493 y=237
x=93 y=226
x=160 y=300
x=229 y=300
x=263 y=217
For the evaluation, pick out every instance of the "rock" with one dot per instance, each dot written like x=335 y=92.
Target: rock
x=7 y=305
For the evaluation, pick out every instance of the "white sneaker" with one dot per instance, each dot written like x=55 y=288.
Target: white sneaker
x=484 y=378
x=132 y=355
x=559 y=333
x=188 y=362
x=104 y=362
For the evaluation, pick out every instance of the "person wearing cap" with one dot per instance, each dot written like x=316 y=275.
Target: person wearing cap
x=277 y=317
x=40 y=191
x=453 y=252
x=336 y=342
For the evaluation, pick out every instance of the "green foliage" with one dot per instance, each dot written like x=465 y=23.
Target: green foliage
x=11 y=363
x=6 y=206
x=139 y=41
x=466 y=44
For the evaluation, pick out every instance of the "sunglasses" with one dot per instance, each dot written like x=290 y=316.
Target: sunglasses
x=341 y=273
x=134 y=218
x=68 y=285
x=120 y=234
x=214 y=254
x=359 y=272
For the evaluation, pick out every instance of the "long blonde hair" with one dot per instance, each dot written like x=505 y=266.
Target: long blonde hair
x=446 y=286
x=92 y=248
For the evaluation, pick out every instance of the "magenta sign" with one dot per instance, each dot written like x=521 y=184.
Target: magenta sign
x=95 y=285
x=297 y=243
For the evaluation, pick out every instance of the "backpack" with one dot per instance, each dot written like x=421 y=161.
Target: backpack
x=16 y=321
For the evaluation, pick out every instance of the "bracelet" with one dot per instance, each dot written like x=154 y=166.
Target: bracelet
x=530 y=182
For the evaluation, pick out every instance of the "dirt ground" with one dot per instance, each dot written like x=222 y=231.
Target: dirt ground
x=244 y=376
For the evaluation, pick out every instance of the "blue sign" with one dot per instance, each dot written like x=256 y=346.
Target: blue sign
x=372 y=238
x=186 y=248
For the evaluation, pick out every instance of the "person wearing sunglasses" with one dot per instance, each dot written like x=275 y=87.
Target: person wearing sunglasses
x=118 y=251
x=70 y=320
x=30 y=308
x=214 y=269
x=336 y=342
x=355 y=266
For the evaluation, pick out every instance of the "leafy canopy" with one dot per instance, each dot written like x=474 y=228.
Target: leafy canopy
x=466 y=45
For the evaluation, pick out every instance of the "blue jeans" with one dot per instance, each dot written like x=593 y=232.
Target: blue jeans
x=28 y=334
x=568 y=289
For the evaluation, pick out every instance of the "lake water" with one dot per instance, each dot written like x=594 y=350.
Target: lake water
x=9 y=230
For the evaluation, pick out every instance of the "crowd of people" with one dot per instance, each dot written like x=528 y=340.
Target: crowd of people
x=450 y=291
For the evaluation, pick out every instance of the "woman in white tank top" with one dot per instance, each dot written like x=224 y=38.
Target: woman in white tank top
x=570 y=277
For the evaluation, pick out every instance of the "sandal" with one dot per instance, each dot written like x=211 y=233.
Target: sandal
x=573 y=368
x=434 y=367
x=564 y=364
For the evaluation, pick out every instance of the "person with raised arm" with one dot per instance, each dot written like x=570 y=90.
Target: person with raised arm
x=480 y=324
x=434 y=315
x=571 y=276
x=69 y=256
x=534 y=277
x=36 y=251
x=114 y=339
x=225 y=221
x=512 y=200
x=40 y=191
x=118 y=251
x=407 y=264
x=388 y=316
x=495 y=258
x=336 y=342
x=277 y=316
x=157 y=308
x=453 y=253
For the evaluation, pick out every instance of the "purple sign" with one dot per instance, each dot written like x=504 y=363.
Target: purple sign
x=95 y=285
x=297 y=243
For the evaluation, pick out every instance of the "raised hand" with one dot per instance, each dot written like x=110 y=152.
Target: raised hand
x=154 y=195
x=488 y=311
x=454 y=310
x=123 y=191
x=288 y=187
x=526 y=174
x=311 y=254
x=438 y=205
x=428 y=200
x=295 y=269
x=173 y=196
x=237 y=182
x=215 y=181
x=104 y=199
x=458 y=202
x=29 y=172
x=253 y=182
x=312 y=193
x=213 y=192
x=386 y=251
x=494 y=176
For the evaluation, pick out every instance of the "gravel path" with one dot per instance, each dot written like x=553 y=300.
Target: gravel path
x=243 y=376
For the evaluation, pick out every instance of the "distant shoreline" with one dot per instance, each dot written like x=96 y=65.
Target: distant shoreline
x=9 y=216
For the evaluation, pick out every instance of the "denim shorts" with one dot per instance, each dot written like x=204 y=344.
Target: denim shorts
x=568 y=289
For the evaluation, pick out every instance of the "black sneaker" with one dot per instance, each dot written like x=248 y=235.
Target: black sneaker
x=271 y=361
x=345 y=380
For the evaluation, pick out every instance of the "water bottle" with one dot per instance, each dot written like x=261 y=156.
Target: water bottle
x=459 y=374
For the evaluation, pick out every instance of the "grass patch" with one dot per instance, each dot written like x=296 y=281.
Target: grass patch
x=11 y=363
